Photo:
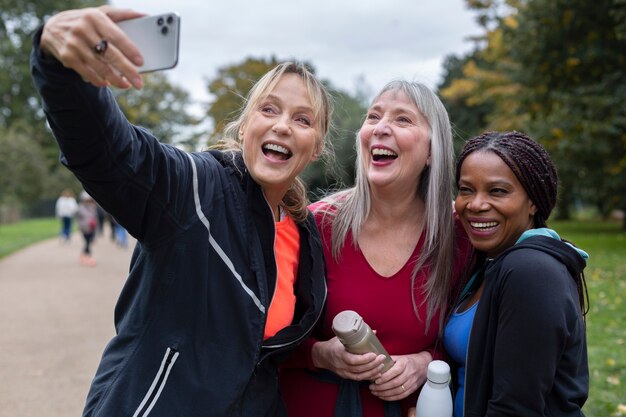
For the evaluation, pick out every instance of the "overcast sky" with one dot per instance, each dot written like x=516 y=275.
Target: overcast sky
x=343 y=39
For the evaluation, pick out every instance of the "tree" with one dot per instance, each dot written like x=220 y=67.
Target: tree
x=19 y=101
x=573 y=55
x=487 y=87
x=23 y=170
x=468 y=118
x=555 y=70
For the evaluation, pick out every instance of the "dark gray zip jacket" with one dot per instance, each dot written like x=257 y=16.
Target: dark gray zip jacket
x=190 y=319
x=527 y=354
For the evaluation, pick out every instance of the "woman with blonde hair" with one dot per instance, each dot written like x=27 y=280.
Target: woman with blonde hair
x=228 y=274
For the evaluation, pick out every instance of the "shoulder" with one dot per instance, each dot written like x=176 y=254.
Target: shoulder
x=463 y=250
x=324 y=212
x=528 y=268
x=218 y=163
x=526 y=258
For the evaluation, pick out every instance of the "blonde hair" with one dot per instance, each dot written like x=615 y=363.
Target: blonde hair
x=349 y=209
x=295 y=201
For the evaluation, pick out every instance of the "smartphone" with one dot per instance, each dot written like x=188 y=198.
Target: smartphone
x=157 y=39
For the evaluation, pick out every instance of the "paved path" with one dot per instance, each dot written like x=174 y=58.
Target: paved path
x=56 y=316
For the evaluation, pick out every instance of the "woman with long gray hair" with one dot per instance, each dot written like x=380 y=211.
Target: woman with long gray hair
x=393 y=253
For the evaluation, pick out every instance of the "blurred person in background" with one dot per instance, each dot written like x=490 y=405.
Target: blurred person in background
x=65 y=210
x=87 y=219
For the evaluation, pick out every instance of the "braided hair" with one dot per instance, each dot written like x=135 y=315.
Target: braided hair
x=528 y=160
x=534 y=169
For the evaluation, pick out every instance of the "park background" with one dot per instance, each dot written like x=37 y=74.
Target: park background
x=551 y=68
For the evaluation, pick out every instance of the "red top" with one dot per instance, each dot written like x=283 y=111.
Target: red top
x=384 y=303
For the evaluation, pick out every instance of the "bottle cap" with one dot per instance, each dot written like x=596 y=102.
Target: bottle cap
x=438 y=372
x=349 y=327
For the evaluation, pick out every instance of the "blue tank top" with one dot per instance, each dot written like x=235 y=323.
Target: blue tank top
x=455 y=340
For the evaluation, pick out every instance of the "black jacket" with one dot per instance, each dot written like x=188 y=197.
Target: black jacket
x=527 y=352
x=191 y=316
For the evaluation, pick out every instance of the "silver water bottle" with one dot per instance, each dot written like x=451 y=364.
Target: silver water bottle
x=357 y=337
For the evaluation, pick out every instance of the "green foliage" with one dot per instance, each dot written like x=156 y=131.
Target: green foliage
x=552 y=68
x=18 y=22
x=573 y=56
x=23 y=168
x=467 y=119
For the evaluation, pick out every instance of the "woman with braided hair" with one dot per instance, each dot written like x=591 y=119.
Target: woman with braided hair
x=517 y=334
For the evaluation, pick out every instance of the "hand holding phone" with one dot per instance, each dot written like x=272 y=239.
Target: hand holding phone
x=157 y=38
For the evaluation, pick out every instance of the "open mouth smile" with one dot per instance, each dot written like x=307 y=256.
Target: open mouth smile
x=276 y=151
x=483 y=226
x=383 y=154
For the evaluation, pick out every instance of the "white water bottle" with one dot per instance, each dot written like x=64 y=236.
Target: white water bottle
x=435 y=400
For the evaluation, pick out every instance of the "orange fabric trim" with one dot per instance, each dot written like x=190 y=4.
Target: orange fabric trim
x=287 y=253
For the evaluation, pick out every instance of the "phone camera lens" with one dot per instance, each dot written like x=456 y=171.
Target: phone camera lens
x=164 y=30
x=160 y=21
x=170 y=19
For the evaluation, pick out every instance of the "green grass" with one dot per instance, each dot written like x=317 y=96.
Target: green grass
x=18 y=235
x=606 y=321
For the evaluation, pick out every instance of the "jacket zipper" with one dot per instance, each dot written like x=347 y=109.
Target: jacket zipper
x=157 y=384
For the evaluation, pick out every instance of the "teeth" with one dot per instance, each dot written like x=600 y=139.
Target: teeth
x=276 y=148
x=382 y=152
x=483 y=225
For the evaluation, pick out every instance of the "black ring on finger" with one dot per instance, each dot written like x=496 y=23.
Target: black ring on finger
x=101 y=47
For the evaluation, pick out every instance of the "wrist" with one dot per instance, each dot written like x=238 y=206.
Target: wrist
x=316 y=355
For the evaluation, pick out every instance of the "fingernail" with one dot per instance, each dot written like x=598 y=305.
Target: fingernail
x=137 y=82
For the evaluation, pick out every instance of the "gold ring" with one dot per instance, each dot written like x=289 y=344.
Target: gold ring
x=403 y=389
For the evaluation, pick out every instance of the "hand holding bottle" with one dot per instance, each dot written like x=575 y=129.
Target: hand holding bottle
x=357 y=336
x=404 y=378
x=332 y=355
